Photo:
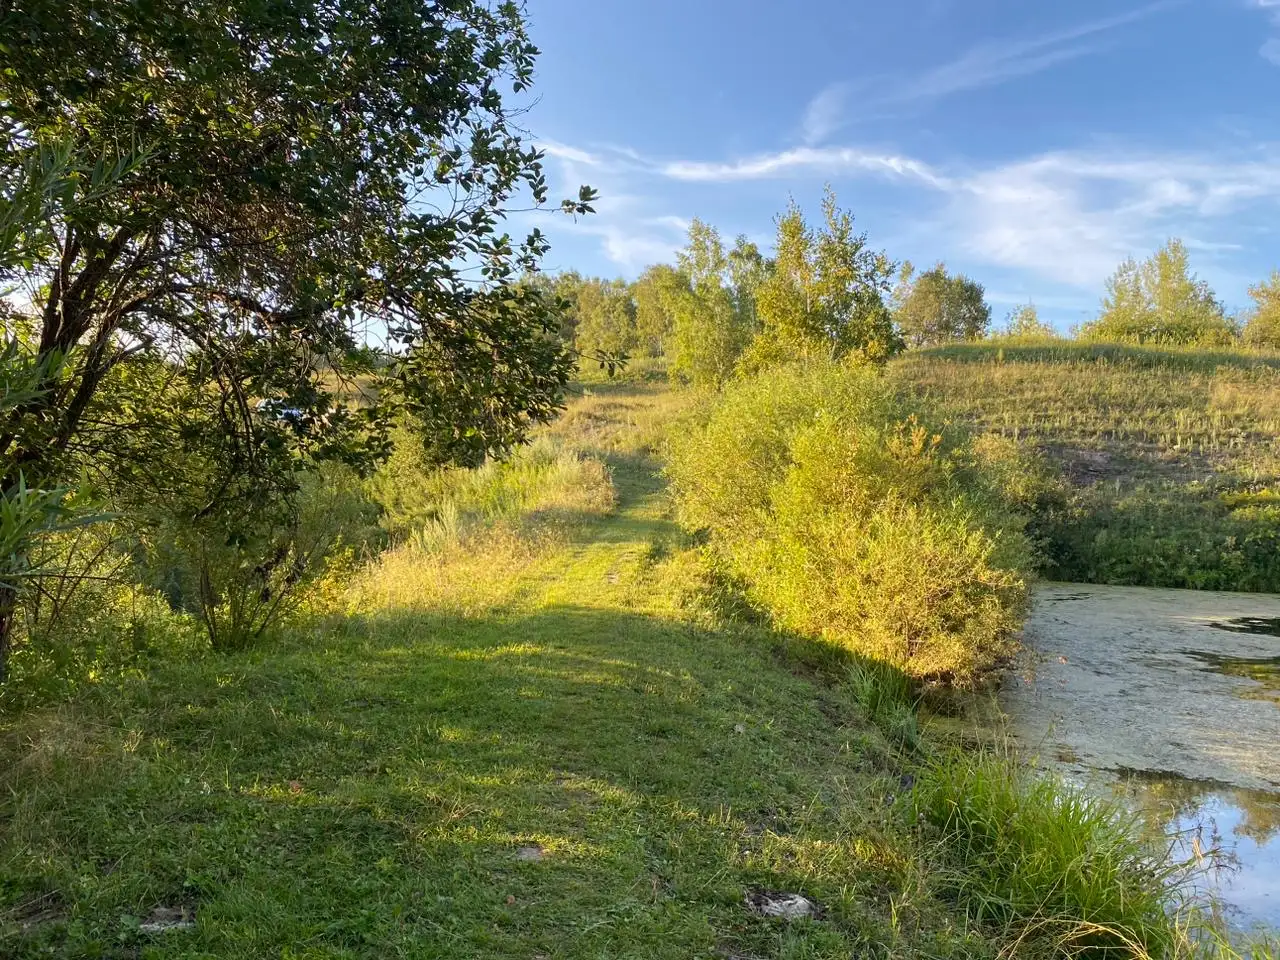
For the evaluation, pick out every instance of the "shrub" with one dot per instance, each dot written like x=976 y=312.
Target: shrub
x=1188 y=535
x=243 y=584
x=850 y=517
x=96 y=634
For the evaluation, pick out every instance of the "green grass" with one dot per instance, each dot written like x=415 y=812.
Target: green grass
x=1018 y=845
x=1170 y=457
x=365 y=786
x=539 y=733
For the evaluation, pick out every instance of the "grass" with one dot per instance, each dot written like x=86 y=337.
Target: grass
x=528 y=746
x=1022 y=845
x=538 y=733
x=1171 y=457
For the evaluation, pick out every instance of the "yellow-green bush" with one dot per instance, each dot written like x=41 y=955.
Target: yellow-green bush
x=851 y=516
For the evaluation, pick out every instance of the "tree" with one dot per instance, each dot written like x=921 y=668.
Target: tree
x=30 y=194
x=825 y=293
x=606 y=318
x=1262 y=329
x=312 y=174
x=1024 y=321
x=654 y=293
x=1160 y=301
x=748 y=272
x=937 y=307
x=709 y=332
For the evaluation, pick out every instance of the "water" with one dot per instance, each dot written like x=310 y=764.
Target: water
x=1172 y=699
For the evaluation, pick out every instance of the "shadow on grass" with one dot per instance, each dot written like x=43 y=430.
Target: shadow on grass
x=572 y=782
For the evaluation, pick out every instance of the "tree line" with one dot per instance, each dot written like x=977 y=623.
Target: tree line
x=723 y=310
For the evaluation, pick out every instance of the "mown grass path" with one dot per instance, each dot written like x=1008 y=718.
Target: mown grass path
x=570 y=763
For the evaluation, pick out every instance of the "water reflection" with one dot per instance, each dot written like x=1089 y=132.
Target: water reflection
x=1259 y=626
x=1262 y=670
x=1231 y=835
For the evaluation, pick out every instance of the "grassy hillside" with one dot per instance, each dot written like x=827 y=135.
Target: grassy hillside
x=525 y=740
x=1171 y=458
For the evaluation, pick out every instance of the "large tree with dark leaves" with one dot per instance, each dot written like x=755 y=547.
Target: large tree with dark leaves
x=289 y=181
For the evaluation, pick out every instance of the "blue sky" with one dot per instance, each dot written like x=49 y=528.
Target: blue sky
x=1029 y=144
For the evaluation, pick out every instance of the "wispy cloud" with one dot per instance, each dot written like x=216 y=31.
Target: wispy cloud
x=1065 y=216
x=563 y=151
x=988 y=64
x=630 y=233
x=827 y=160
x=1071 y=216
x=1270 y=50
x=994 y=62
x=825 y=113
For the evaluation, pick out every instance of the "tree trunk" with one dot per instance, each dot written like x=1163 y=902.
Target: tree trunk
x=8 y=613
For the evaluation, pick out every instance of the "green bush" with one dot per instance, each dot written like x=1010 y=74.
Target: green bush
x=1187 y=535
x=242 y=585
x=93 y=633
x=852 y=518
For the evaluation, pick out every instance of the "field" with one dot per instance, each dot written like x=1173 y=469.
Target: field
x=1171 y=458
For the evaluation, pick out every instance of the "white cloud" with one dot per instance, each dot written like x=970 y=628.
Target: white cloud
x=987 y=64
x=1065 y=216
x=678 y=224
x=829 y=160
x=562 y=151
x=1270 y=51
x=996 y=61
x=1072 y=216
x=825 y=113
x=630 y=233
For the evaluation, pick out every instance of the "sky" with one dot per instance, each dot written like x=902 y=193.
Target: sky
x=1031 y=145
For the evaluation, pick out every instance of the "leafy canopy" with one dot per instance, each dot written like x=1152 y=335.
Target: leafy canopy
x=290 y=183
x=1160 y=301
x=606 y=318
x=937 y=307
x=712 y=321
x=1024 y=321
x=1263 y=326
x=316 y=174
x=825 y=294
x=653 y=293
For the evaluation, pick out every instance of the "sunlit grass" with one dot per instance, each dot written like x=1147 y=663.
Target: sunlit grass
x=1156 y=447
x=540 y=731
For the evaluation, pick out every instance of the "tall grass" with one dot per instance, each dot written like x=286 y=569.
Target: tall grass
x=1019 y=848
x=463 y=536
x=438 y=505
x=1170 y=457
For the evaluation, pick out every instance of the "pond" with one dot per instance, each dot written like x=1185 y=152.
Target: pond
x=1172 y=699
